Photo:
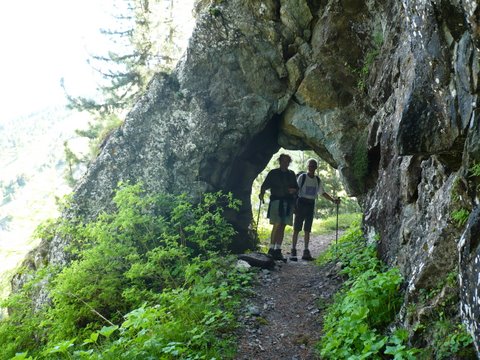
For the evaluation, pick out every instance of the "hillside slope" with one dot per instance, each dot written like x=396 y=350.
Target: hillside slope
x=33 y=164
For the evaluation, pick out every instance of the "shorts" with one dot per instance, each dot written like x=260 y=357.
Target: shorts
x=304 y=215
x=274 y=215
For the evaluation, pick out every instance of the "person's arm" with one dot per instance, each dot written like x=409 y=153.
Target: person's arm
x=331 y=198
x=293 y=187
x=298 y=184
x=327 y=196
x=264 y=187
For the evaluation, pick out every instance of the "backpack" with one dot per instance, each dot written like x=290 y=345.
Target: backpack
x=303 y=174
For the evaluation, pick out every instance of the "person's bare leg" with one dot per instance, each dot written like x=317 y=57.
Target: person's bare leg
x=293 y=254
x=272 y=234
x=306 y=238
x=306 y=251
x=278 y=238
x=280 y=232
x=272 y=239
x=295 y=239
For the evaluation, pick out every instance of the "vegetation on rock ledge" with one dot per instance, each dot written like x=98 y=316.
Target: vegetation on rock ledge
x=358 y=325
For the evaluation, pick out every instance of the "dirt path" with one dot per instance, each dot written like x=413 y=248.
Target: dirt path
x=283 y=319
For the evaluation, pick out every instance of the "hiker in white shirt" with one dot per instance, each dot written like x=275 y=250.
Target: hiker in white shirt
x=310 y=186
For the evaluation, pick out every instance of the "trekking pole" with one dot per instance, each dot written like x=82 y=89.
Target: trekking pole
x=258 y=218
x=336 y=234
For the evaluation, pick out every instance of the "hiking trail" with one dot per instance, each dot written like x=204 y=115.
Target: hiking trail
x=283 y=319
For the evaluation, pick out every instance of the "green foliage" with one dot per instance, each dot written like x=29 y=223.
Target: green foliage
x=154 y=258
x=363 y=72
x=350 y=246
x=360 y=161
x=460 y=217
x=97 y=133
x=440 y=326
x=62 y=227
x=8 y=190
x=461 y=206
x=355 y=323
x=143 y=41
x=323 y=226
x=451 y=340
x=329 y=224
x=136 y=51
x=189 y=322
x=72 y=161
x=214 y=11
x=368 y=302
x=475 y=170
x=16 y=331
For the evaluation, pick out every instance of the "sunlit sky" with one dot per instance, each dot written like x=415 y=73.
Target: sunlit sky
x=43 y=41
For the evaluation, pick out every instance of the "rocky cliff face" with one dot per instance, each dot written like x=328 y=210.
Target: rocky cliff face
x=385 y=91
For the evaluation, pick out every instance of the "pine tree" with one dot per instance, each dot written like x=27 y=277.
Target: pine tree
x=142 y=43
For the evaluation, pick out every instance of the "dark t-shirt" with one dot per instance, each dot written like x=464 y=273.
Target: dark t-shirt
x=278 y=182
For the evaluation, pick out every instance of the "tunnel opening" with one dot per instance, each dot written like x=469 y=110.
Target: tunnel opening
x=324 y=209
x=248 y=172
x=244 y=170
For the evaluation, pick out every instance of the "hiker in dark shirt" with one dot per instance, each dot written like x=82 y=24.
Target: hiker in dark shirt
x=310 y=186
x=283 y=186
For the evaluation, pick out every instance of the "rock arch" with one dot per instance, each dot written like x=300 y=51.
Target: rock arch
x=248 y=84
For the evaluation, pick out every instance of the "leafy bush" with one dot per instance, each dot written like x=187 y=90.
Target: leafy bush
x=367 y=303
x=451 y=340
x=475 y=169
x=354 y=254
x=190 y=322
x=368 y=61
x=22 y=329
x=440 y=325
x=154 y=258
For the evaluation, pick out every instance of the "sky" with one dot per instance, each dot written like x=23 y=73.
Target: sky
x=43 y=41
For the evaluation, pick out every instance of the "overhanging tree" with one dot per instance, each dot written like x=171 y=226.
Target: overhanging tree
x=142 y=43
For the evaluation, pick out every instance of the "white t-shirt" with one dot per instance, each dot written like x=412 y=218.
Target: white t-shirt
x=311 y=187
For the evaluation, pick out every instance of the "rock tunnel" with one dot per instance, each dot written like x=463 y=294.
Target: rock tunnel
x=245 y=168
x=239 y=94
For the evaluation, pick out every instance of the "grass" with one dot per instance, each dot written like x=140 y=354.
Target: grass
x=327 y=225
x=319 y=227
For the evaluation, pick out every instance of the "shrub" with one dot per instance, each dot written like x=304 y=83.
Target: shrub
x=145 y=280
x=363 y=308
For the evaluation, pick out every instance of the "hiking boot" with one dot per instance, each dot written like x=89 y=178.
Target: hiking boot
x=277 y=255
x=271 y=253
x=307 y=256
x=293 y=255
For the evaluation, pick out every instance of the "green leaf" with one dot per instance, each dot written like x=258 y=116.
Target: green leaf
x=61 y=347
x=22 y=356
x=92 y=339
x=107 y=331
